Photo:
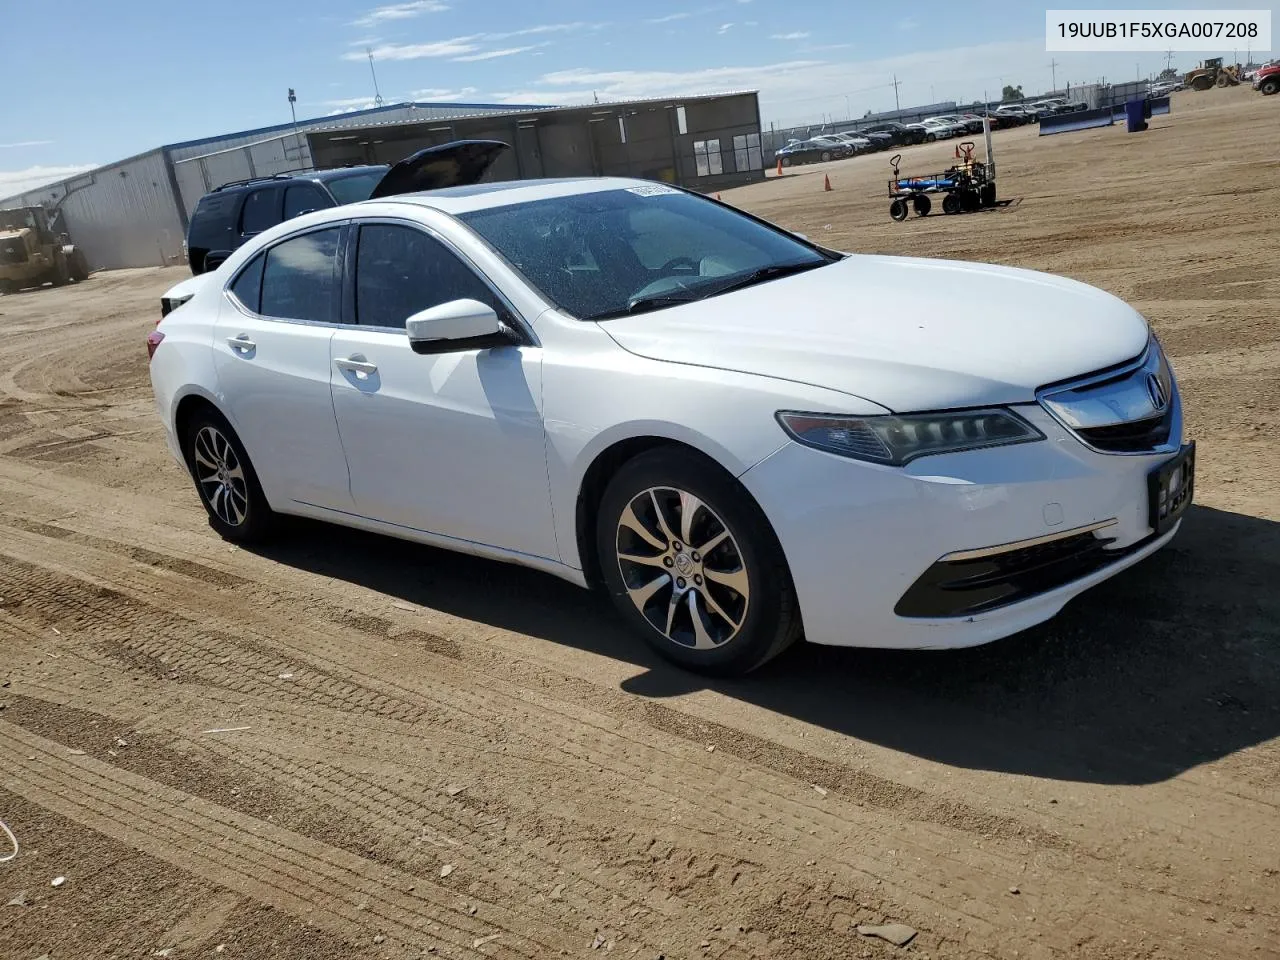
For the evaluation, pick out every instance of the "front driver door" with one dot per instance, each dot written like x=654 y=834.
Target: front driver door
x=450 y=444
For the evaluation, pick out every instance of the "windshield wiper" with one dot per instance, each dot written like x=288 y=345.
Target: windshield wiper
x=765 y=273
x=645 y=304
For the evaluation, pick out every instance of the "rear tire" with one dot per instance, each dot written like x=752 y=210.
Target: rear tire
x=922 y=205
x=79 y=266
x=951 y=203
x=61 y=275
x=225 y=479
x=988 y=195
x=723 y=613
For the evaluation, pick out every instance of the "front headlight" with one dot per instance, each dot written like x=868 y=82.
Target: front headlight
x=897 y=440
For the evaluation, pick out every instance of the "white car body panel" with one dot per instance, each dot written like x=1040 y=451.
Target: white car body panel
x=906 y=343
x=276 y=395
x=486 y=451
x=451 y=444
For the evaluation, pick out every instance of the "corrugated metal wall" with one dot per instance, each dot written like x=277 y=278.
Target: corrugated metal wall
x=122 y=215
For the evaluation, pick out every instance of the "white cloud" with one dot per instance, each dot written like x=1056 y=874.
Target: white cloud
x=24 y=143
x=494 y=54
x=798 y=35
x=400 y=11
x=545 y=28
x=441 y=93
x=456 y=47
x=669 y=17
x=724 y=28
x=14 y=182
x=908 y=23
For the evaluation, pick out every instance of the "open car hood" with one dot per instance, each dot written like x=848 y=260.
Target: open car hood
x=455 y=164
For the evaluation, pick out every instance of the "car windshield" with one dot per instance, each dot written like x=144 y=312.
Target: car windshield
x=354 y=187
x=609 y=253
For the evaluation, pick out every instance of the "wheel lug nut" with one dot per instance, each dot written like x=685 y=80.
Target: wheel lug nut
x=676 y=546
x=667 y=561
x=697 y=578
x=680 y=582
x=695 y=556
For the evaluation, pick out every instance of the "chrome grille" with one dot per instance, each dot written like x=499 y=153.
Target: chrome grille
x=1132 y=409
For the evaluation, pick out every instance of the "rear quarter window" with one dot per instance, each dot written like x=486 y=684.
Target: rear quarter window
x=211 y=220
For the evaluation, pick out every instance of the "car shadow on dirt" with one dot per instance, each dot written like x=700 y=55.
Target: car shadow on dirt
x=1173 y=663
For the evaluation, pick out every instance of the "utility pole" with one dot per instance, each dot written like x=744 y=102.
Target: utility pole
x=848 y=114
x=377 y=97
x=896 y=106
x=297 y=138
x=1053 y=72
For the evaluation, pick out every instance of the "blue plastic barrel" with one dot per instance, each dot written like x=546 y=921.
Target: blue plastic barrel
x=1135 y=115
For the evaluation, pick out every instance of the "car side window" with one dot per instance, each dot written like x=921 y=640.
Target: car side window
x=401 y=271
x=300 y=198
x=298 y=278
x=248 y=286
x=261 y=211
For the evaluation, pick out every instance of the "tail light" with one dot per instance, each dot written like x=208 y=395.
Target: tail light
x=153 y=340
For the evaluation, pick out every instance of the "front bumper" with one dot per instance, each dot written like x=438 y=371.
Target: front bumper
x=859 y=537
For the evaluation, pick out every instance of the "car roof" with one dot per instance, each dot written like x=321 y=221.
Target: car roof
x=481 y=196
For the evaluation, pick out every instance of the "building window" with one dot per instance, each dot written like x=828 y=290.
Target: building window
x=746 y=152
x=681 y=122
x=707 y=155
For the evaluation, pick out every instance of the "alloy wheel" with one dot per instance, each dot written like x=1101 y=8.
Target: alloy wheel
x=220 y=475
x=682 y=568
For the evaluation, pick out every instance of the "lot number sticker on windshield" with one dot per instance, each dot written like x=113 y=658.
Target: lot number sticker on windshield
x=652 y=190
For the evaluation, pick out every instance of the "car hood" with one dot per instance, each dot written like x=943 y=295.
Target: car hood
x=904 y=333
x=455 y=164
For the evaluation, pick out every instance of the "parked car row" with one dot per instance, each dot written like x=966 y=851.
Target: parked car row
x=889 y=134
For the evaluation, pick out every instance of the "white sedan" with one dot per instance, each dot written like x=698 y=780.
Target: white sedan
x=743 y=437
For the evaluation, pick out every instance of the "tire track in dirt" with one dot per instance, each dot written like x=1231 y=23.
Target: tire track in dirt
x=806 y=817
x=120 y=902
x=338 y=891
x=857 y=785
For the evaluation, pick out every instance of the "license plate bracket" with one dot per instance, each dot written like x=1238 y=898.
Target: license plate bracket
x=1170 y=488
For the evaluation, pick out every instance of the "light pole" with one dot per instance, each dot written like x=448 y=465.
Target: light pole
x=297 y=139
x=848 y=114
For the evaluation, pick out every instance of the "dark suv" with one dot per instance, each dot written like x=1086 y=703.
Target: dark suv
x=234 y=212
x=902 y=135
x=229 y=215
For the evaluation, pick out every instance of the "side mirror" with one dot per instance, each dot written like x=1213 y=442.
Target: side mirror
x=458 y=326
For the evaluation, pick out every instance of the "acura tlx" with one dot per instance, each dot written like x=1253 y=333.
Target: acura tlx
x=743 y=437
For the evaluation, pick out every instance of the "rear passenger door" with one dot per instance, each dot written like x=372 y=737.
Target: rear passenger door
x=271 y=353
x=304 y=197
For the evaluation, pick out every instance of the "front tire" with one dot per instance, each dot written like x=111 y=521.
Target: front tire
x=1269 y=86
x=692 y=564
x=225 y=480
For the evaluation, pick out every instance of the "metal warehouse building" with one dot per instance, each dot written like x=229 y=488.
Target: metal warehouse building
x=134 y=213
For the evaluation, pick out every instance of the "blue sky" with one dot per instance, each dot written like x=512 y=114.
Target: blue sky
x=106 y=80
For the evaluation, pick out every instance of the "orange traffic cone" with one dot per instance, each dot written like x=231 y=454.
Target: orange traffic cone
x=779 y=166
x=826 y=182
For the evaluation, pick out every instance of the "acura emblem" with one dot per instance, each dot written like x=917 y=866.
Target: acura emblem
x=1155 y=390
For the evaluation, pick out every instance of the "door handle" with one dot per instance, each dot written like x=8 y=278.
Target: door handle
x=242 y=343
x=358 y=365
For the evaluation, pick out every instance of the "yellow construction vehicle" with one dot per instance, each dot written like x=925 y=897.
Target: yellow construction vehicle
x=1211 y=73
x=35 y=249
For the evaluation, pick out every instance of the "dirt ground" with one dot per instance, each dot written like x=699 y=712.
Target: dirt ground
x=426 y=755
